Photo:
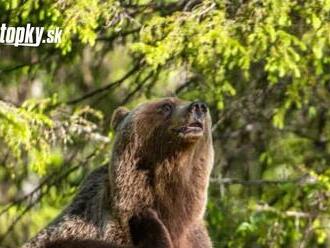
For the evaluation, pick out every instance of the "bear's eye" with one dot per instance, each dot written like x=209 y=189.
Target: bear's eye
x=166 y=108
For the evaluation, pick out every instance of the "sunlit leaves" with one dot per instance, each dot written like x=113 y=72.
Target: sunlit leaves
x=31 y=135
x=21 y=130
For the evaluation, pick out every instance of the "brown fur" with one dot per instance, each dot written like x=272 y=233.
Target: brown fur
x=77 y=243
x=152 y=166
x=146 y=230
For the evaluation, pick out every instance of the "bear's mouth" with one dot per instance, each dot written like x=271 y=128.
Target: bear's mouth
x=194 y=127
x=193 y=130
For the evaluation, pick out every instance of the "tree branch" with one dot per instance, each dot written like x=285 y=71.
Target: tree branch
x=118 y=35
x=136 y=89
x=31 y=204
x=290 y=213
x=304 y=180
x=106 y=87
x=17 y=67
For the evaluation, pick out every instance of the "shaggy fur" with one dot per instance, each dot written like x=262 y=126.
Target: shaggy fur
x=76 y=243
x=153 y=165
x=146 y=230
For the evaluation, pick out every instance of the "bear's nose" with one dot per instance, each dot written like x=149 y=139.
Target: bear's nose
x=198 y=108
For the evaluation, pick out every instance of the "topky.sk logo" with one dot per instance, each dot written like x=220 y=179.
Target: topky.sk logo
x=28 y=35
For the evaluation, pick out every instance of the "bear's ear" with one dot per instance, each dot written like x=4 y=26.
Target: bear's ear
x=118 y=115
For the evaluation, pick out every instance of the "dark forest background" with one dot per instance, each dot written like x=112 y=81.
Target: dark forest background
x=263 y=67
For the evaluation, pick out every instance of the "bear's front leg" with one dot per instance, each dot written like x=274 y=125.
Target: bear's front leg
x=148 y=231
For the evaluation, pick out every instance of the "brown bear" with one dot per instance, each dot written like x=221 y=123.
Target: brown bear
x=161 y=159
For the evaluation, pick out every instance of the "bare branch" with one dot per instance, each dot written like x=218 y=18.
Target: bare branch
x=296 y=214
x=106 y=87
x=35 y=201
x=137 y=88
x=17 y=67
x=304 y=180
x=52 y=179
x=118 y=35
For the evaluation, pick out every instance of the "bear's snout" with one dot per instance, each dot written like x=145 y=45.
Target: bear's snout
x=198 y=110
x=198 y=106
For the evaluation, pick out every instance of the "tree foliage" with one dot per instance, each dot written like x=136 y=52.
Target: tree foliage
x=262 y=67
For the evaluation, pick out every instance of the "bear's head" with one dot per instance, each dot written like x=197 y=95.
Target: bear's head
x=162 y=125
x=161 y=149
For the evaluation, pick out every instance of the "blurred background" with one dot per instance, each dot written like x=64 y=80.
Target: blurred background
x=261 y=65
